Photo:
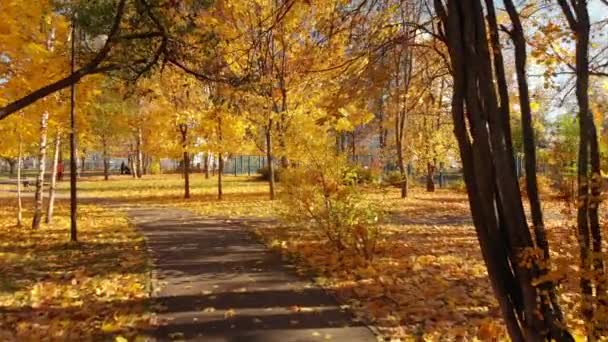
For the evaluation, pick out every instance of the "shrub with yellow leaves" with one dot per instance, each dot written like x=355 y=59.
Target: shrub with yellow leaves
x=323 y=195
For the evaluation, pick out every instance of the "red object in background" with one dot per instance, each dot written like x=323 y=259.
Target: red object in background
x=60 y=171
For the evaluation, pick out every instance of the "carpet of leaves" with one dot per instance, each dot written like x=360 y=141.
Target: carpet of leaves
x=54 y=290
x=428 y=281
x=244 y=196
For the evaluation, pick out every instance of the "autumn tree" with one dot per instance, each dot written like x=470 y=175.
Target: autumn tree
x=481 y=121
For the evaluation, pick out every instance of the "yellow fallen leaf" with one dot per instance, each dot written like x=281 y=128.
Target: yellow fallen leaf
x=229 y=313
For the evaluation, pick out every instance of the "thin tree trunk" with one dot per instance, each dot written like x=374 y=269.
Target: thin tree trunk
x=186 y=174
x=220 y=171
x=39 y=196
x=106 y=161
x=183 y=128
x=430 y=175
x=550 y=304
x=19 y=163
x=271 y=180
x=206 y=165
x=139 y=157
x=589 y=191
x=78 y=168
x=82 y=162
x=132 y=166
x=51 y=204
x=73 y=149
x=399 y=127
x=11 y=167
x=353 y=145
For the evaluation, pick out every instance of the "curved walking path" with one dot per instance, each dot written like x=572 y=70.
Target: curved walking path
x=213 y=281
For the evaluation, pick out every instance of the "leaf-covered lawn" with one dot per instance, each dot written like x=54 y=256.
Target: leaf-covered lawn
x=244 y=196
x=428 y=280
x=51 y=289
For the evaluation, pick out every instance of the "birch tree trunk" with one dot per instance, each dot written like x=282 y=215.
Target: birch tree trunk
x=49 y=208
x=39 y=196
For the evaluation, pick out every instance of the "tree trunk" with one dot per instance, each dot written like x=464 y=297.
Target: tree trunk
x=139 y=157
x=82 y=162
x=73 y=149
x=220 y=171
x=271 y=180
x=132 y=166
x=11 y=166
x=430 y=177
x=402 y=173
x=183 y=128
x=590 y=183
x=51 y=204
x=39 y=196
x=76 y=158
x=186 y=158
x=548 y=288
x=492 y=185
x=206 y=165
x=399 y=127
x=106 y=161
x=19 y=164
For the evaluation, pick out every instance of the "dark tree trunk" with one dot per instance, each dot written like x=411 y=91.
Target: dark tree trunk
x=271 y=180
x=206 y=165
x=550 y=306
x=183 y=128
x=590 y=188
x=39 y=195
x=73 y=149
x=220 y=171
x=492 y=185
x=19 y=164
x=11 y=166
x=399 y=133
x=186 y=175
x=430 y=177
x=106 y=160
x=139 y=154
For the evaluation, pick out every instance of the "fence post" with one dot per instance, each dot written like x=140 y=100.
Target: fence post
x=234 y=161
x=248 y=165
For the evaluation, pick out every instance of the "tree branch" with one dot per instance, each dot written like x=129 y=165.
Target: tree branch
x=89 y=68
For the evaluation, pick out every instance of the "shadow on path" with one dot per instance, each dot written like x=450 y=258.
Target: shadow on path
x=214 y=282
